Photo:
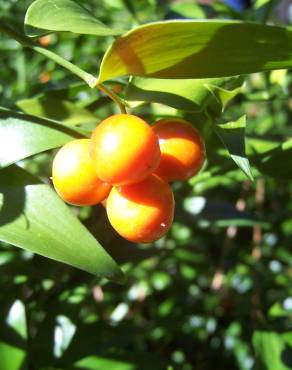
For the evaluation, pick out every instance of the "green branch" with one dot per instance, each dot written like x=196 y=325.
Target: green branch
x=113 y=96
x=87 y=77
x=23 y=40
x=91 y=81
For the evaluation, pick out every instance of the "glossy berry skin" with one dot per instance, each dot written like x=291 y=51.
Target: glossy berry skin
x=142 y=212
x=182 y=149
x=74 y=175
x=124 y=149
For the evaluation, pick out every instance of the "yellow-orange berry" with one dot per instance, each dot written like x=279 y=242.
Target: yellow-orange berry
x=74 y=175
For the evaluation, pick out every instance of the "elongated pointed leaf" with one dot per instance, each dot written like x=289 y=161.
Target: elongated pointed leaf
x=34 y=218
x=198 y=49
x=22 y=135
x=44 y=16
x=223 y=96
x=16 y=319
x=59 y=110
x=188 y=9
x=189 y=95
x=98 y=362
x=12 y=355
x=269 y=347
x=12 y=358
x=232 y=134
x=275 y=162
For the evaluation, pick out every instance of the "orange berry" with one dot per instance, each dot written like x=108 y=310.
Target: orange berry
x=74 y=175
x=142 y=212
x=182 y=149
x=45 y=40
x=44 y=77
x=125 y=149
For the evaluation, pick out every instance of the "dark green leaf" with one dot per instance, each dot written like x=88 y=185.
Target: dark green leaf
x=34 y=218
x=223 y=95
x=189 y=95
x=198 y=49
x=22 y=135
x=44 y=16
x=232 y=134
x=275 y=162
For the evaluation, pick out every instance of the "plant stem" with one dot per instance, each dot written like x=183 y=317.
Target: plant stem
x=87 y=77
x=113 y=96
x=91 y=81
x=23 y=40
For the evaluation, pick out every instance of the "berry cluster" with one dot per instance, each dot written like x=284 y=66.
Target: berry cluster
x=127 y=165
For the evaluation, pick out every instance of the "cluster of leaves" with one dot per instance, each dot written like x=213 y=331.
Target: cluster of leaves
x=215 y=291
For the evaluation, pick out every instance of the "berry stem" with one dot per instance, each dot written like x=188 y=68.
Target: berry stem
x=113 y=96
x=87 y=77
x=26 y=42
x=22 y=39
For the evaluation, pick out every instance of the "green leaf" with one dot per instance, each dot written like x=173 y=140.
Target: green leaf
x=259 y=146
x=188 y=9
x=223 y=96
x=269 y=348
x=232 y=134
x=55 y=109
x=275 y=162
x=44 y=16
x=16 y=319
x=11 y=357
x=100 y=363
x=198 y=49
x=34 y=218
x=22 y=136
x=189 y=95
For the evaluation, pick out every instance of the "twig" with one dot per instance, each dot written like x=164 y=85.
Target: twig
x=91 y=80
x=113 y=96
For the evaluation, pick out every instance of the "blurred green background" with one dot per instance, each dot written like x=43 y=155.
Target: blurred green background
x=216 y=292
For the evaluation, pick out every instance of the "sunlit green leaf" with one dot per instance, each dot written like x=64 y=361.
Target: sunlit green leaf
x=16 y=319
x=34 y=218
x=277 y=161
x=189 y=95
x=198 y=49
x=232 y=135
x=22 y=135
x=100 y=363
x=11 y=357
x=55 y=109
x=188 y=9
x=222 y=95
x=44 y=16
x=269 y=347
